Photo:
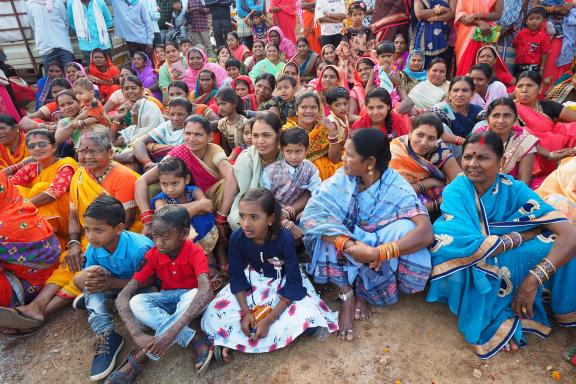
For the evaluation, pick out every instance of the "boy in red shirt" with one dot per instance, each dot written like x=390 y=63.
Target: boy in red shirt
x=532 y=43
x=182 y=269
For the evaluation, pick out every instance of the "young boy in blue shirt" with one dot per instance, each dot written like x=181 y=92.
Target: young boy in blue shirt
x=112 y=258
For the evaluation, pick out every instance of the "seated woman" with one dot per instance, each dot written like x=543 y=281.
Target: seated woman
x=326 y=142
x=264 y=85
x=173 y=68
x=272 y=64
x=564 y=92
x=364 y=81
x=159 y=57
x=414 y=72
x=306 y=59
x=197 y=61
x=267 y=294
x=157 y=143
x=103 y=73
x=378 y=114
x=489 y=263
x=144 y=68
x=44 y=94
x=243 y=86
x=367 y=231
x=240 y=51
x=485 y=86
x=30 y=252
x=331 y=76
x=48 y=114
x=12 y=146
x=425 y=161
x=179 y=88
x=432 y=91
x=45 y=181
x=258 y=53
x=552 y=123
x=488 y=55
x=285 y=45
x=206 y=89
x=293 y=70
x=328 y=55
x=559 y=189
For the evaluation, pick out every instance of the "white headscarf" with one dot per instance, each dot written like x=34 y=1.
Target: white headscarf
x=81 y=21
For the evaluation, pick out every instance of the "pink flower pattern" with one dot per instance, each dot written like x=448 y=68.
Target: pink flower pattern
x=221 y=304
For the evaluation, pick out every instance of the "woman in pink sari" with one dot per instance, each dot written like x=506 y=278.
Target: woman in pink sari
x=474 y=24
x=284 y=15
x=197 y=61
x=287 y=47
x=240 y=51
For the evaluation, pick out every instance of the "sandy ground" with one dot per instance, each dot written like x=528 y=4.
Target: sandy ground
x=411 y=342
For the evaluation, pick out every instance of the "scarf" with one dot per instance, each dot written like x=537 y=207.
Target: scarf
x=147 y=76
x=245 y=79
x=81 y=22
x=191 y=75
x=79 y=67
x=420 y=75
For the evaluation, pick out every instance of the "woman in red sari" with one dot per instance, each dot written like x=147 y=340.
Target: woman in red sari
x=263 y=88
x=239 y=50
x=378 y=113
x=284 y=15
x=103 y=73
x=488 y=55
x=474 y=20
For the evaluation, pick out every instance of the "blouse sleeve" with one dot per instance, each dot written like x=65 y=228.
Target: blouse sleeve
x=25 y=175
x=293 y=289
x=237 y=262
x=61 y=182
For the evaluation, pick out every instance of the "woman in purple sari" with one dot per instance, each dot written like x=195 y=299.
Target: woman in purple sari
x=144 y=68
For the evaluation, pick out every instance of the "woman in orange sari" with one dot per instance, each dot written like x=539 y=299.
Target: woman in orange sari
x=311 y=28
x=12 y=145
x=474 y=27
x=103 y=73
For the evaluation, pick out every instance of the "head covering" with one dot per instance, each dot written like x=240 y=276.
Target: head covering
x=247 y=80
x=293 y=64
x=191 y=75
x=286 y=45
x=341 y=78
x=201 y=97
x=78 y=66
x=499 y=66
x=419 y=75
x=147 y=75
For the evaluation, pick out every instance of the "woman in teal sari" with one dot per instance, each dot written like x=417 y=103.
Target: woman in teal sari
x=496 y=244
x=272 y=64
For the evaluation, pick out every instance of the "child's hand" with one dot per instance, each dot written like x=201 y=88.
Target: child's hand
x=547 y=80
x=97 y=281
x=247 y=323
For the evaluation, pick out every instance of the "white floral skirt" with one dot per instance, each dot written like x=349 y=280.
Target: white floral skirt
x=221 y=321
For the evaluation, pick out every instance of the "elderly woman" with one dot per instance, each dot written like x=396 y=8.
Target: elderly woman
x=326 y=141
x=486 y=87
x=414 y=72
x=367 y=231
x=211 y=172
x=306 y=59
x=272 y=64
x=12 y=145
x=488 y=55
x=489 y=264
x=432 y=91
x=173 y=68
x=424 y=161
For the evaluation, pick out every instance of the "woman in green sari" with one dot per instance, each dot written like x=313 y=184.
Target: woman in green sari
x=271 y=64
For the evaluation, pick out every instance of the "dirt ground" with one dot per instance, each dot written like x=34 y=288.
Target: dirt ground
x=411 y=342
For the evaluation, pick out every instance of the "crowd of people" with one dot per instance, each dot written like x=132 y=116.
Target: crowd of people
x=396 y=147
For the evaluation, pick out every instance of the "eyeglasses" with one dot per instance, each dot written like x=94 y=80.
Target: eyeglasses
x=41 y=145
x=91 y=152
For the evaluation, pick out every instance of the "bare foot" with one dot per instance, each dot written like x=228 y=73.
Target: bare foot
x=32 y=311
x=227 y=355
x=362 y=311
x=346 y=320
x=511 y=346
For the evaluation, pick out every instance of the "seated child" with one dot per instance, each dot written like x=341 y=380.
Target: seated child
x=292 y=177
x=92 y=109
x=182 y=270
x=234 y=68
x=233 y=119
x=532 y=44
x=112 y=258
x=284 y=103
x=258 y=24
x=247 y=136
x=338 y=99
x=174 y=179
x=269 y=301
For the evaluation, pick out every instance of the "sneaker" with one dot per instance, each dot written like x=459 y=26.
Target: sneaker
x=107 y=349
x=79 y=302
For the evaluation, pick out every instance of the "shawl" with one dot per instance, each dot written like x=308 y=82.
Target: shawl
x=400 y=62
x=241 y=52
x=191 y=75
x=420 y=75
x=245 y=79
x=552 y=136
x=288 y=187
x=415 y=168
x=317 y=137
x=358 y=92
x=342 y=82
x=426 y=94
x=81 y=22
x=460 y=125
x=400 y=124
x=147 y=75
x=202 y=176
x=286 y=45
x=266 y=66
x=204 y=97
x=112 y=72
x=496 y=90
x=157 y=63
x=307 y=68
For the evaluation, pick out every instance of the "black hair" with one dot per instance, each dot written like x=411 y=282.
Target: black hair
x=372 y=142
x=229 y=95
x=532 y=75
x=269 y=205
x=273 y=45
x=55 y=63
x=484 y=68
x=184 y=41
x=458 y=79
x=181 y=102
x=210 y=72
x=365 y=60
x=429 y=118
x=488 y=138
x=100 y=50
x=173 y=216
x=233 y=62
x=259 y=42
x=256 y=14
x=386 y=46
x=61 y=83
x=197 y=119
x=234 y=34
x=133 y=79
x=302 y=40
x=67 y=92
x=180 y=84
x=287 y=78
x=539 y=10
x=268 y=77
x=8 y=120
x=382 y=95
x=438 y=60
x=41 y=132
x=295 y=135
x=335 y=93
x=243 y=81
x=172 y=43
x=502 y=101
x=107 y=209
x=357 y=6
x=292 y=64
x=174 y=166
x=143 y=55
x=307 y=95
x=270 y=119
x=128 y=67
x=84 y=83
x=221 y=48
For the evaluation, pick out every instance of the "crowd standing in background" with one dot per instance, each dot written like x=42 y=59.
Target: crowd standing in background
x=251 y=153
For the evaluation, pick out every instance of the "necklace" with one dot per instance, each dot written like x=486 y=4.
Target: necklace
x=103 y=176
x=373 y=197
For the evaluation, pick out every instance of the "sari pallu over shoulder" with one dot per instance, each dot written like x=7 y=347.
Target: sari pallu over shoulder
x=479 y=287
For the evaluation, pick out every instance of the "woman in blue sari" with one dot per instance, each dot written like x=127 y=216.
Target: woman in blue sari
x=432 y=32
x=496 y=244
x=367 y=231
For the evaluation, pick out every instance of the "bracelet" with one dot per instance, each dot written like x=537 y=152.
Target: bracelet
x=388 y=251
x=540 y=282
x=16 y=167
x=289 y=212
x=332 y=140
x=516 y=238
x=146 y=217
x=507 y=242
x=287 y=224
x=550 y=263
x=422 y=188
x=340 y=242
x=73 y=242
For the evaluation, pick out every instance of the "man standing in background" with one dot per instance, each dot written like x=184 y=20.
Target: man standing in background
x=132 y=22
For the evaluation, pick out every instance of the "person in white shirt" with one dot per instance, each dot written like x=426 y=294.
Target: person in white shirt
x=330 y=14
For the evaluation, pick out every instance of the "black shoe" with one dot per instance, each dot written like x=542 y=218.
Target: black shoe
x=79 y=302
x=109 y=345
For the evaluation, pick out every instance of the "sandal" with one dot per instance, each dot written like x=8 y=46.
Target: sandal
x=22 y=334
x=119 y=377
x=204 y=357
x=216 y=280
x=15 y=319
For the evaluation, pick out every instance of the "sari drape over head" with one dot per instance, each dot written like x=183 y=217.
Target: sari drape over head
x=107 y=79
x=191 y=75
x=7 y=158
x=148 y=77
x=287 y=47
x=400 y=124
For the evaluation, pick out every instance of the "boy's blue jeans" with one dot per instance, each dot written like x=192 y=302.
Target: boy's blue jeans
x=99 y=316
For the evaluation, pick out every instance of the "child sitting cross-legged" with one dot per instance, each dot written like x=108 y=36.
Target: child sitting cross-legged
x=269 y=301
x=292 y=179
x=181 y=268
x=284 y=104
x=112 y=258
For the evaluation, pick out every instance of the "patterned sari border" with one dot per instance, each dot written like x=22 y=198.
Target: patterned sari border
x=536 y=328
x=499 y=340
x=566 y=319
